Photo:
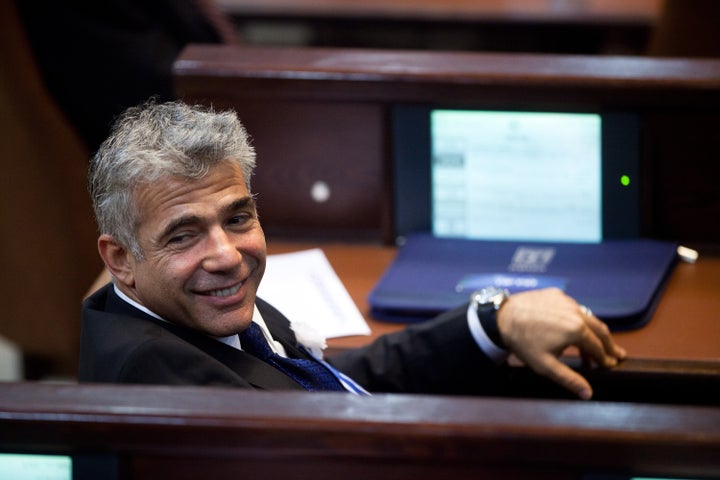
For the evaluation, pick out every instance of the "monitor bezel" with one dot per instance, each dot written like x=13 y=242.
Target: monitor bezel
x=411 y=167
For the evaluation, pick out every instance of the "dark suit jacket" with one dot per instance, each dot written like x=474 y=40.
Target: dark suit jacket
x=121 y=344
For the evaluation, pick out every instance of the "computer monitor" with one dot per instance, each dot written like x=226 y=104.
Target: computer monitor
x=52 y=466
x=35 y=466
x=521 y=175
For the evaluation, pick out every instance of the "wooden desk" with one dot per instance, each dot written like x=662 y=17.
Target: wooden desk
x=588 y=26
x=204 y=432
x=680 y=344
x=502 y=11
x=685 y=326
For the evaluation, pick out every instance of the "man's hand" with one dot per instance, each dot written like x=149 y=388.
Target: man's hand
x=538 y=325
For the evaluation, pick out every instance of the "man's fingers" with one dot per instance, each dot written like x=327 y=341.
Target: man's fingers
x=602 y=330
x=591 y=346
x=610 y=353
x=564 y=376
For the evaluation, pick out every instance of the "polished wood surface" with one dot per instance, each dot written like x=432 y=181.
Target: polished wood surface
x=684 y=332
x=686 y=324
x=290 y=72
x=525 y=11
x=559 y=26
x=205 y=432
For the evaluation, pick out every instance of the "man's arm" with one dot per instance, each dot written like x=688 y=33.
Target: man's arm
x=437 y=356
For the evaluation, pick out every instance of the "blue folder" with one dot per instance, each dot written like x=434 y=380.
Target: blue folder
x=619 y=280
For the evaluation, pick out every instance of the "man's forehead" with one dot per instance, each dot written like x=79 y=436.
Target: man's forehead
x=221 y=187
x=222 y=175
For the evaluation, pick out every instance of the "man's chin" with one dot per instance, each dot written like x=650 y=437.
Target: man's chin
x=230 y=323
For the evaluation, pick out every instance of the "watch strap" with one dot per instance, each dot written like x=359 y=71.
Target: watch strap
x=488 y=322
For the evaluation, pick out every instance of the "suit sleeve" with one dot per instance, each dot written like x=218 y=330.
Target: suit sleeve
x=438 y=356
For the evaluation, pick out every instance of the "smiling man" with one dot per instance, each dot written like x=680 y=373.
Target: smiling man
x=180 y=236
x=202 y=251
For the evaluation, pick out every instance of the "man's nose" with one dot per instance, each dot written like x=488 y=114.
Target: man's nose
x=222 y=253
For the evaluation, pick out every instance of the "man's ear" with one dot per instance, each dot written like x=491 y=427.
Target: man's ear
x=118 y=260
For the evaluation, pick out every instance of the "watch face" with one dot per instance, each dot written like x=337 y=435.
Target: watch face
x=487 y=294
x=490 y=296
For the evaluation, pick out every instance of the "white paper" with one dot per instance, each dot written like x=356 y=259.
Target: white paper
x=305 y=288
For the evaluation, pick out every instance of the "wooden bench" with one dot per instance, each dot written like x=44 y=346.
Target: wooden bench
x=201 y=432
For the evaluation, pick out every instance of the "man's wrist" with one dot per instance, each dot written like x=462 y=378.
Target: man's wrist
x=487 y=303
x=489 y=348
x=489 y=323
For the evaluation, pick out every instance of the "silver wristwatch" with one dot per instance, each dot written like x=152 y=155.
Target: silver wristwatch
x=487 y=302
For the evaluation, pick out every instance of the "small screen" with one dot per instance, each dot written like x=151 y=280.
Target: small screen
x=35 y=467
x=506 y=175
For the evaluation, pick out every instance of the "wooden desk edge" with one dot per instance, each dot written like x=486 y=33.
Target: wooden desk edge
x=156 y=427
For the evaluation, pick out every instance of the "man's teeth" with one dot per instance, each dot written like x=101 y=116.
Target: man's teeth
x=226 y=292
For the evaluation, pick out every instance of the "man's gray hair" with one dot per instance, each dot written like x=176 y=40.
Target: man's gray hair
x=157 y=140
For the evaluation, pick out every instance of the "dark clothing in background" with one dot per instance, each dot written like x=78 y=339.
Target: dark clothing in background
x=99 y=58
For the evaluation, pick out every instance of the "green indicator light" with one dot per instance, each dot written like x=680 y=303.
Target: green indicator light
x=625 y=180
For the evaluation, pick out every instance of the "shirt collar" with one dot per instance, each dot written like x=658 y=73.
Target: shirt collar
x=232 y=340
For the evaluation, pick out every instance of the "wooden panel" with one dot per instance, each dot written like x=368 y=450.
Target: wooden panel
x=194 y=432
x=686 y=28
x=537 y=11
x=320 y=167
x=683 y=173
x=324 y=74
x=560 y=26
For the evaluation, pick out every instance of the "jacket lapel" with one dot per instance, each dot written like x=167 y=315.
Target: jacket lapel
x=251 y=369
x=279 y=327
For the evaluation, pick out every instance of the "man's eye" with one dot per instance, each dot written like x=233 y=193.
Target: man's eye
x=239 y=219
x=179 y=239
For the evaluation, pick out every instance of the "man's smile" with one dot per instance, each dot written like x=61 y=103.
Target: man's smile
x=226 y=292
x=222 y=292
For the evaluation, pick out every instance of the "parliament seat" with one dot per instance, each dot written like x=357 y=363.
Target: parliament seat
x=144 y=432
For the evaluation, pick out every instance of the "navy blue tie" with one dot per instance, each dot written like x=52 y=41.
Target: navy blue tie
x=311 y=374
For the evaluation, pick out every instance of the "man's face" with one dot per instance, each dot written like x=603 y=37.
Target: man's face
x=204 y=251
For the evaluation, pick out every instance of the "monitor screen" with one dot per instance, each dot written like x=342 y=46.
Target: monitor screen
x=35 y=467
x=516 y=175
x=52 y=466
